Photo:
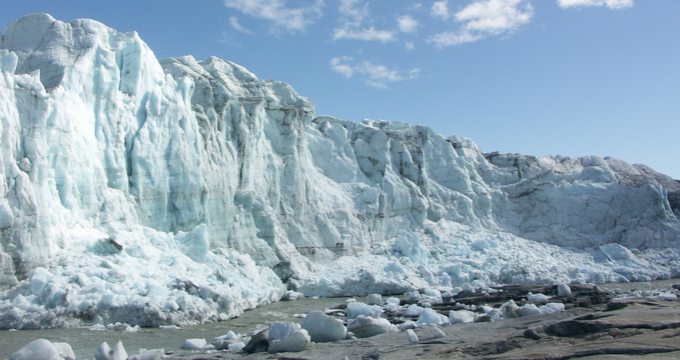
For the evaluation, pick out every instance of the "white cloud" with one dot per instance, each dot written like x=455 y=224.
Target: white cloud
x=370 y=34
x=344 y=69
x=612 y=4
x=233 y=21
x=373 y=74
x=440 y=9
x=348 y=9
x=276 y=11
x=352 y=20
x=484 y=18
x=407 y=24
x=409 y=46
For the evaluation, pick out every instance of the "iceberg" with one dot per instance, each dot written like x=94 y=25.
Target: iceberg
x=176 y=191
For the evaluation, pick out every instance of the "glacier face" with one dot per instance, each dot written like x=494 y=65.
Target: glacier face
x=181 y=191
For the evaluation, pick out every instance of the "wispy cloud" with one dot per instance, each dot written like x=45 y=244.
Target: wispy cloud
x=340 y=66
x=612 y=4
x=276 y=11
x=368 y=34
x=484 y=18
x=352 y=28
x=233 y=21
x=407 y=24
x=373 y=74
x=440 y=9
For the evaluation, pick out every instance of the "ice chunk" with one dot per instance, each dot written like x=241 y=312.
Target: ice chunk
x=481 y=245
x=194 y=344
x=40 y=349
x=411 y=336
x=366 y=326
x=667 y=296
x=39 y=280
x=408 y=245
x=280 y=330
x=414 y=295
x=413 y=310
x=323 y=328
x=461 y=317
x=431 y=317
x=169 y=327
x=65 y=350
x=563 y=290
x=103 y=352
x=21 y=302
x=538 y=298
x=509 y=310
x=223 y=342
x=374 y=299
x=529 y=310
x=291 y=295
x=122 y=327
x=155 y=354
x=295 y=342
x=355 y=309
x=551 y=308
x=118 y=352
x=433 y=293
x=437 y=332
x=393 y=301
x=622 y=255
x=237 y=346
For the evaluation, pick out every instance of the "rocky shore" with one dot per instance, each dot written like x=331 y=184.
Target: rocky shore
x=609 y=322
x=595 y=325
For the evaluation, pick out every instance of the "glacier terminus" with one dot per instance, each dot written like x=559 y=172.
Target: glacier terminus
x=178 y=191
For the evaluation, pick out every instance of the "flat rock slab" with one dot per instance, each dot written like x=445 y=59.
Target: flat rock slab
x=643 y=328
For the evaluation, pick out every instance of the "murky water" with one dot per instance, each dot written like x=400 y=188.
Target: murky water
x=84 y=342
x=641 y=286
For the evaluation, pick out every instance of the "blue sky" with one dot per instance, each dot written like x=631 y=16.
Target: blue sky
x=537 y=77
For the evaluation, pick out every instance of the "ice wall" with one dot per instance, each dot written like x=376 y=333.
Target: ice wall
x=130 y=182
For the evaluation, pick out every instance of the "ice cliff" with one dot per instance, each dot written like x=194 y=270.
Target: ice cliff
x=180 y=191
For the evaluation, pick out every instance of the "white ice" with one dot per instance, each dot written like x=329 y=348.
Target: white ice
x=538 y=298
x=357 y=308
x=367 y=326
x=104 y=352
x=563 y=290
x=411 y=336
x=155 y=354
x=431 y=317
x=154 y=192
x=280 y=330
x=40 y=349
x=194 y=344
x=461 y=317
x=297 y=341
x=323 y=328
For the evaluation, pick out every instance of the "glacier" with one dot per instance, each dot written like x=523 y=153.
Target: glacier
x=178 y=191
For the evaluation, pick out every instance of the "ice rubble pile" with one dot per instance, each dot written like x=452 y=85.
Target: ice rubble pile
x=178 y=191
